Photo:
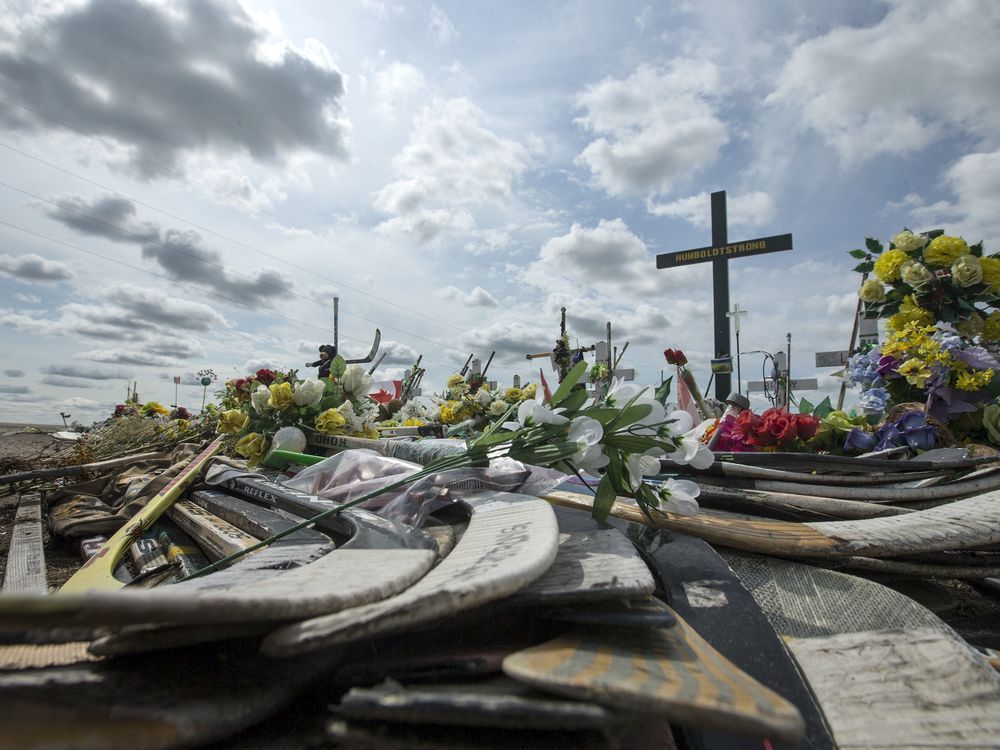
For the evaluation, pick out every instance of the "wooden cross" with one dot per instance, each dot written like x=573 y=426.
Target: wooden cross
x=719 y=254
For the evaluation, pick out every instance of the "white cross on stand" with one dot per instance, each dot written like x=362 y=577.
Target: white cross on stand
x=735 y=313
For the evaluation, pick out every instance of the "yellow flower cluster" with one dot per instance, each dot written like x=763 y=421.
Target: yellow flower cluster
x=991 y=327
x=973 y=380
x=331 y=422
x=909 y=312
x=453 y=412
x=915 y=371
x=945 y=250
x=888 y=265
x=991 y=273
x=914 y=343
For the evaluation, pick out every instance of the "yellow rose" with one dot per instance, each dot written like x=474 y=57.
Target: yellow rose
x=966 y=271
x=251 y=447
x=907 y=241
x=991 y=272
x=991 y=327
x=370 y=432
x=915 y=273
x=451 y=412
x=529 y=391
x=330 y=422
x=971 y=326
x=282 y=396
x=455 y=380
x=945 y=250
x=414 y=422
x=232 y=421
x=513 y=395
x=888 y=265
x=872 y=291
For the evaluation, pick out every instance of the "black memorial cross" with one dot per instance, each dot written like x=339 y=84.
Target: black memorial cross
x=720 y=253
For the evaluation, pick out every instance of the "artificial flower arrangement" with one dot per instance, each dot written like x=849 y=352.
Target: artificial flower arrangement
x=621 y=435
x=463 y=401
x=952 y=377
x=257 y=408
x=924 y=280
x=774 y=429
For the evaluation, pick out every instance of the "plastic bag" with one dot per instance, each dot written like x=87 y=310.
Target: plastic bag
x=352 y=474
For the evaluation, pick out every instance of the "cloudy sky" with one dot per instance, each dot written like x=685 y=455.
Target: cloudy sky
x=187 y=185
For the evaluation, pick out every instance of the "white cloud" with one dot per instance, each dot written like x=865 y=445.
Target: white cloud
x=397 y=82
x=452 y=164
x=922 y=72
x=28 y=299
x=607 y=258
x=477 y=297
x=267 y=363
x=440 y=26
x=753 y=209
x=657 y=127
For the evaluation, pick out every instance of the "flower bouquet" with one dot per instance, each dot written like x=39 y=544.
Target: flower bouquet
x=923 y=280
x=773 y=430
x=275 y=407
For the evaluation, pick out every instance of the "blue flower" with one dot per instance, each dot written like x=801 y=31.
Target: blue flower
x=859 y=441
x=874 y=400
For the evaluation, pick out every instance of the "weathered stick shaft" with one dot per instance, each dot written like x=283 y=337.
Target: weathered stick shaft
x=66 y=471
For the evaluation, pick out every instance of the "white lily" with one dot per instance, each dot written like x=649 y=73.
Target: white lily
x=533 y=412
x=309 y=393
x=587 y=434
x=621 y=392
x=693 y=452
x=678 y=496
x=642 y=465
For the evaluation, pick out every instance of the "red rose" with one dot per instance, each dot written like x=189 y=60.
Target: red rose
x=265 y=376
x=675 y=357
x=777 y=425
x=806 y=425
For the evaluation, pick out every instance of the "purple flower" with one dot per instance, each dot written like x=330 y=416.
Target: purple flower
x=945 y=403
x=888 y=437
x=859 y=441
x=911 y=420
x=888 y=366
x=921 y=438
x=977 y=357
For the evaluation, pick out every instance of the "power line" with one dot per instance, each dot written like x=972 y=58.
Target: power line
x=182 y=178
x=200 y=290
x=217 y=234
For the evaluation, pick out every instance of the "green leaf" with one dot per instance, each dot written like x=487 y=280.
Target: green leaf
x=823 y=408
x=574 y=400
x=338 y=367
x=329 y=402
x=603 y=414
x=873 y=245
x=616 y=469
x=628 y=415
x=977 y=249
x=865 y=267
x=604 y=499
x=663 y=391
x=805 y=406
x=572 y=378
x=636 y=443
x=859 y=254
x=493 y=438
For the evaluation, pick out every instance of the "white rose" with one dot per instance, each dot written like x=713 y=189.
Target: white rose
x=967 y=271
x=914 y=273
x=498 y=408
x=907 y=241
x=259 y=399
x=309 y=393
x=484 y=397
x=356 y=381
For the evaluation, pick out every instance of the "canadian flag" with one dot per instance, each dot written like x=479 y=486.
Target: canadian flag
x=385 y=391
x=684 y=398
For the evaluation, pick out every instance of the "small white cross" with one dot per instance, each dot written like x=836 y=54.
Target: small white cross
x=736 y=312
